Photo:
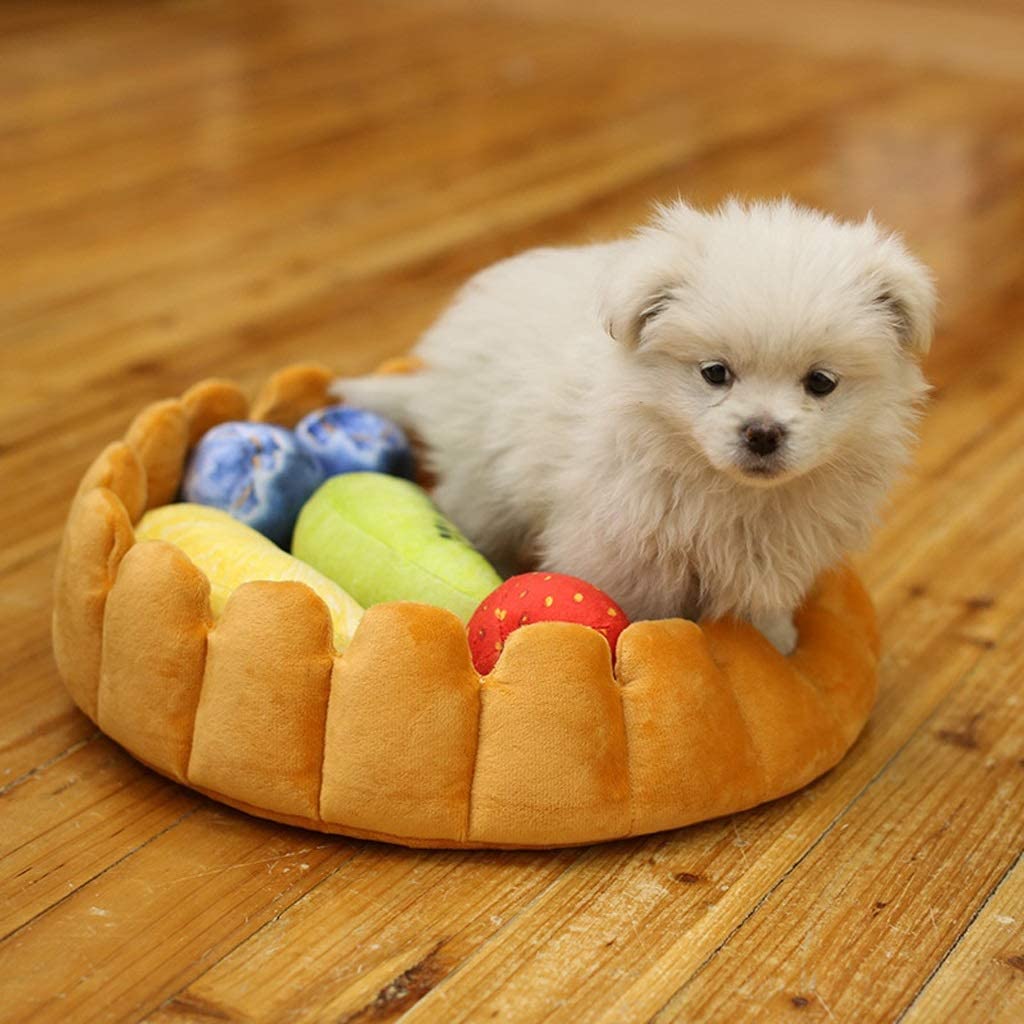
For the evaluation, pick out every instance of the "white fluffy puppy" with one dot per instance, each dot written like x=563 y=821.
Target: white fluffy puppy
x=698 y=419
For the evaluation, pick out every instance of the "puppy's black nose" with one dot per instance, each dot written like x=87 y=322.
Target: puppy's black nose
x=762 y=437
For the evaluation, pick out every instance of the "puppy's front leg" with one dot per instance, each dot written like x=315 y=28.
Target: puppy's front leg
x=778 y=628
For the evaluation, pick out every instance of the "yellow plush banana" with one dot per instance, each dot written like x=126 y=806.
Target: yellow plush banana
x=230 y=553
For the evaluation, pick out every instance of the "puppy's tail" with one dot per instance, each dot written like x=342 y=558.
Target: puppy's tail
x=389 y=394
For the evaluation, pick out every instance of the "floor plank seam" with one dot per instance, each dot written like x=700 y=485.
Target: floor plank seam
x=956 y=942
x=359 y=847
x=580 y=852
x=4 y=939
x=355 y=852
x=56 y=759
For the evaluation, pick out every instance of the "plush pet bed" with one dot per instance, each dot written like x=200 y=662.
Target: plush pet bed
x=400 y=739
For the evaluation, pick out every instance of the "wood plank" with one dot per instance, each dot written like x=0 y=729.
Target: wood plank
x=409 y=919
x=68 y=823
x=985 y=38
x=164 y=56
x=38 y=721
x=327 y=241
x=979 y=981
x=184 y=898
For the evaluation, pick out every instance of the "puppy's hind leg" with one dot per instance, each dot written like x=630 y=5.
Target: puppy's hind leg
x=778 y=629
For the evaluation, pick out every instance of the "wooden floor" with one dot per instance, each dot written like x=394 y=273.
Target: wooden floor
x=218 y=188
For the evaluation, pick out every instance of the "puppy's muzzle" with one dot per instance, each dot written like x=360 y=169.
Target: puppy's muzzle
x=763 y=437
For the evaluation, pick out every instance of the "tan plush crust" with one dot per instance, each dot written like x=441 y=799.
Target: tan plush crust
x=159 y=438
x=97 y=536
x=118 y=469
x=406 y=680
x=400 y=365
x=291 y=393
x=211 y=402
x=265 y=743
x=154 y=637
x=399 y=739
x=552 y=757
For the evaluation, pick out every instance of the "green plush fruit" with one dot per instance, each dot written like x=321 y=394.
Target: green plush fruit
x=381 y=538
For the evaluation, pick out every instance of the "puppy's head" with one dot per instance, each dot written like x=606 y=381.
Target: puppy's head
x=773 y=338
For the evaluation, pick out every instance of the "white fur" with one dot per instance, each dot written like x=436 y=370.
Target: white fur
x=564 y=408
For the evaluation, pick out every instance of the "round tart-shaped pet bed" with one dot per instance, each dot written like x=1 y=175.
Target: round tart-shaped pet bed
x=399 y=739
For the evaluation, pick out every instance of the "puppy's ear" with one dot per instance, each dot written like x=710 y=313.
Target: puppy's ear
x=904 y=291
x=630 y=311
x=649 y=272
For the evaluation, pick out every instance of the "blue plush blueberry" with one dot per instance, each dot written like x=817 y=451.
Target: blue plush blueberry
x=348 y=440
x=256 y=472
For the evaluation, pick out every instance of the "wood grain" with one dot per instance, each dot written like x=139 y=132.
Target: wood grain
x=190 y=190
x=980 y=978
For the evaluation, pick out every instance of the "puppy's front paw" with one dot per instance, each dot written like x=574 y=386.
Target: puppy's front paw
x=778 y=629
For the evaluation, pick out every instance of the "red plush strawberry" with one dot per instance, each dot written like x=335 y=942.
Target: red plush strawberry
x=539 y=597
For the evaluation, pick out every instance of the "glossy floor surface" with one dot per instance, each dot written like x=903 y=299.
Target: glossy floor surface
x=189 y=189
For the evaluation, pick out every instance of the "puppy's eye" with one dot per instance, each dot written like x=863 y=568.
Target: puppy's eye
x=716 y=374
x=820 y=383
